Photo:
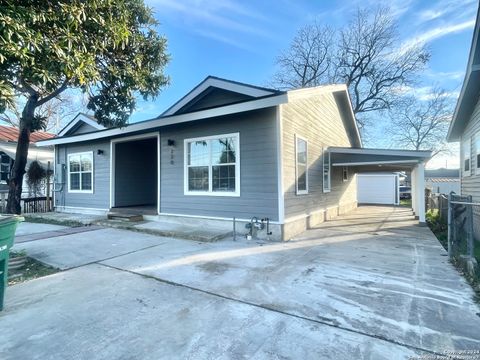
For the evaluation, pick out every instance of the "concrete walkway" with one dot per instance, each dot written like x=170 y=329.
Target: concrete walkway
x=369 y=285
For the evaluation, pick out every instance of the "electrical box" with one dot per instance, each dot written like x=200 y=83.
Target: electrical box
x=60 y=173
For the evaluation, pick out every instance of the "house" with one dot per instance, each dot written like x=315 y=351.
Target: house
x=443 y=181
x=8 y=149
x=228 y=150
x=465 y=127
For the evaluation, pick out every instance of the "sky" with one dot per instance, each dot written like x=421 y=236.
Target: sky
x=239 y=40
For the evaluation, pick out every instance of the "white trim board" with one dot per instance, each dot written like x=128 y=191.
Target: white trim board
x=175 y=119
x=362 y=151
x=413 y=162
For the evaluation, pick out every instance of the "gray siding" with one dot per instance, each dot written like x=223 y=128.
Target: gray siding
x=100 y=199
x=470 y=185
x=136 y=172
x=213 y=97
x=318 y=120
x=258 y=167
x=82 y=128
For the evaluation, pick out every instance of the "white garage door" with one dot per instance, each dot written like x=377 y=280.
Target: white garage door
x=377 y=189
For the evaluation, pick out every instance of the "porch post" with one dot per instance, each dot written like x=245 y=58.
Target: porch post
x=420 y=191
x=414 y=190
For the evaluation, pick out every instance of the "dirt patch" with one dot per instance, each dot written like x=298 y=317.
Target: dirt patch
x=32 y=269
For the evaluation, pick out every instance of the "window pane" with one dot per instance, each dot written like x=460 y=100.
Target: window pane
x=223 y=178
x=5 y=159
x=198 y=178
x=3 y=176
x=478 y=161
x=467 y=164
x=86 y=162
x=198 y=153
x=74 y=163
x=223 y=151
x=302 y=177
x=75 y=181
x=87 y=181
x=301 y=151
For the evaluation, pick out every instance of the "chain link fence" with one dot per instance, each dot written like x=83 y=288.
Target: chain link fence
x=464 y=233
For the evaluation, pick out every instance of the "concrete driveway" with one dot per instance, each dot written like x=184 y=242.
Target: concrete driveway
x=369 y=285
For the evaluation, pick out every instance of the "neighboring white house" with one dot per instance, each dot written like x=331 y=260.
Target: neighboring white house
x=443 y=181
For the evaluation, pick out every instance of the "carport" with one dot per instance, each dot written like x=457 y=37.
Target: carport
x=379 y=160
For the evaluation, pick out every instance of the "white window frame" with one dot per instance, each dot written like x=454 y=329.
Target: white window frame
x=477 y=153
x=210 y=192
x=80 y=172
x=467 y=144
x=301 y=192
x=345 y=173
x=326 y=189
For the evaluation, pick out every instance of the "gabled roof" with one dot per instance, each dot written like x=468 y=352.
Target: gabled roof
x=10 y=134
x=470 y=92
x=264 y=98
x=210 y=82
x=77 y=121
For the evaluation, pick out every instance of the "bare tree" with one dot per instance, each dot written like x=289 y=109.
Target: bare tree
x=366 y=55
x=307 y=62
x=57 y=112
x=422 y=124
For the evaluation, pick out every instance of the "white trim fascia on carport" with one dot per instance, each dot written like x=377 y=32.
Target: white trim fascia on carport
x=113 y=142
x=413 y=162
x=175 y=119
x=362 y=151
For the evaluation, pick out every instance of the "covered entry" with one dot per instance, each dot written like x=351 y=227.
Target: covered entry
x=135 y=173
x=366 y=161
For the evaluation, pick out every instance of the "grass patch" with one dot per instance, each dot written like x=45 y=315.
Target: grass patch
x=32 y=269
x=440 y=229
x=41 y=220
x=406 y=202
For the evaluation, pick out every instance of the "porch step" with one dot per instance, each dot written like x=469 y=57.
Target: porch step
x=124 y=216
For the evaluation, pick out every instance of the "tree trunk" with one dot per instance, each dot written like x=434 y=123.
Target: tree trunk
x=18 y=170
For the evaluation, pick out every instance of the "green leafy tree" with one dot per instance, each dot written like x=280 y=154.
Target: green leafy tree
x=107 y=48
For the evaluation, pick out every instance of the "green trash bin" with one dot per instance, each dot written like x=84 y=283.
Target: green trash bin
x=8 y=225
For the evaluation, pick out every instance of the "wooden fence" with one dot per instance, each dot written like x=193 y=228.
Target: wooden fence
x=28 y=205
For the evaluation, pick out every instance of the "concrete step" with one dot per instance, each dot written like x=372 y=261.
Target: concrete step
x=124 y=216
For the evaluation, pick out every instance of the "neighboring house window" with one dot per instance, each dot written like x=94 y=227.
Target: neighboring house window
x=466 y=157
x=212 y=165
x=301 y=153
x=345 y=173
x=80 y=172
x=4 y=168
x=477 y=154
x=326 y=171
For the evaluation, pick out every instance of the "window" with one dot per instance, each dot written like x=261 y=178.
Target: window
x=477 y=153
x=4 y=168
x=80 y=172
x=301 y=153
x=326 y=171
x=345 y=174
x=212 y=165
x=466 y=157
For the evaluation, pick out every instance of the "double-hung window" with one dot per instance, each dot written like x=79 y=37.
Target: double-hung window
x=301 y=151
x=466 y=157
x=326 y=171
x=212 y=165
x=80 y=172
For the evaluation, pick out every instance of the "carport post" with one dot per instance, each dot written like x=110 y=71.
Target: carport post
x=413 y=191
x=420 y=191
